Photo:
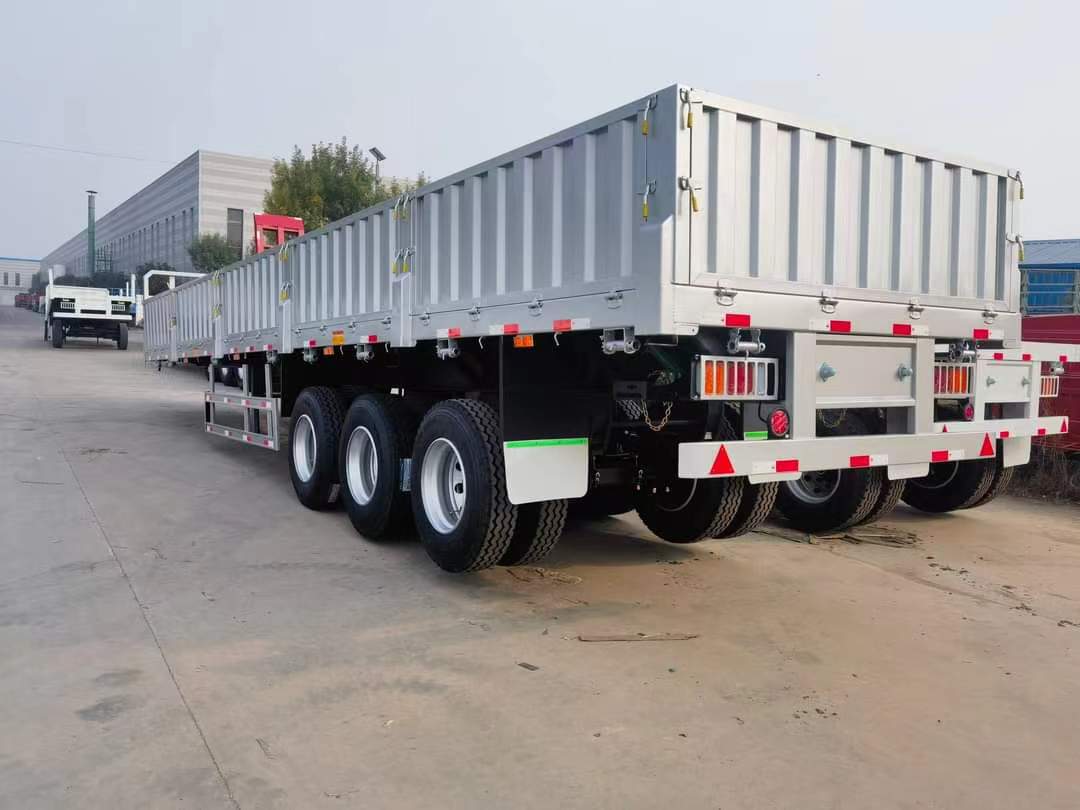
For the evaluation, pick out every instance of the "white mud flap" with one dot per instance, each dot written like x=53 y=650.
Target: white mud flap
x=546 y=469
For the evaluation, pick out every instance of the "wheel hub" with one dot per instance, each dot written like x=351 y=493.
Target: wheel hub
x=304 y=449
x=361 y=466
x=815 y=487
x=442 y=485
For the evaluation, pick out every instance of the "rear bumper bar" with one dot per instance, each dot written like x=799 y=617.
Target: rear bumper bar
x=904 y=456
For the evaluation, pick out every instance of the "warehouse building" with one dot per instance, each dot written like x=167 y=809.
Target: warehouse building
x=16 y=276
x=1050 y=277
x=206 y=193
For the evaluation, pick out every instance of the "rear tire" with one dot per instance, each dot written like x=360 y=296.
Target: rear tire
x=693 y=510
x=313 y=446
x=458 y=481
x=829 y=500
x=757 y=499
x=1000 y=482
x=122 y=337
x=951 y=485
x=539 y=527
x=376 y=437
x=57 y=336
x=891 y=493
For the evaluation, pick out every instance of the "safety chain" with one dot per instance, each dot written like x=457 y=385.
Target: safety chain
x=663 y=421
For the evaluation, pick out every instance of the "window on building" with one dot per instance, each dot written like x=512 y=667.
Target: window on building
x=5 y=279
x=18 y=280
x=234 y=230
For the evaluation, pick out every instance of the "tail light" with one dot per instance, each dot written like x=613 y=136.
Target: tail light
x=954 y=380
x=969 y=412
x=779 y=423
x=736 y=378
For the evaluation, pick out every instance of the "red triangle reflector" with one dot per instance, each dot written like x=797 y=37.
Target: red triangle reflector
x=944 y=428
x=987 y=447
x=1064 y=425
x=721 y=464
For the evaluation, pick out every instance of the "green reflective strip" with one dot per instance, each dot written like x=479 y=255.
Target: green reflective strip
x=545 y=442
x=755 y=435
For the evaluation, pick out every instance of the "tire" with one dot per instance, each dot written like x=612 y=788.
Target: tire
x=998 y=484
x=693 y=510
x=122 y=337
x=829 y=500
x=313 y=446
x=891 y=493
x=458 y=481
x=57 y=336
x=230 y=376
x=46 y=330
x=376 y=438
x=757 y=499
x=951 y=485
x=539 y=527
x=602 y=502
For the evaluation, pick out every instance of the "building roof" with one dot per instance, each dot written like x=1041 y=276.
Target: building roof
x=1051 y=254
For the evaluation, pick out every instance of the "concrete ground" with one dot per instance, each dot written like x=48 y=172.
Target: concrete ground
x=177 y=631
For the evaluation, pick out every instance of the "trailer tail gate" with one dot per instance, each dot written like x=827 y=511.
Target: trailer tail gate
x=773 y=203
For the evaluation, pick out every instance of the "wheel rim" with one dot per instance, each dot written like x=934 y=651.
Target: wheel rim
x=815 y=487
x=442 y=485
x=361 y=466
x=941 y=475
x=304 y=449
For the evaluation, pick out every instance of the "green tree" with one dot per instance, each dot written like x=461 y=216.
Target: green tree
x=211 y=252
x=337 y=180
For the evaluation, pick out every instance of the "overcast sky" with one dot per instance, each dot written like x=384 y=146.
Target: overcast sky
x=440 y=85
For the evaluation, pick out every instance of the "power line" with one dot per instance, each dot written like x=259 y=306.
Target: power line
x=30 y=145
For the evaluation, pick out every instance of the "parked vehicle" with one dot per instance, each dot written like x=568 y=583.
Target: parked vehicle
x=22 y=300
x=87 y=312
x=689 y=306
x=1061 y=329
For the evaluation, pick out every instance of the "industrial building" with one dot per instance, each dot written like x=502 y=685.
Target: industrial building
x=16 y=276
x=1050 y=277
x=207 y=192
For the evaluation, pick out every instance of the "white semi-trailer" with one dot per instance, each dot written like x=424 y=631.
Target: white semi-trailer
x=693 y=307
x=88 y=312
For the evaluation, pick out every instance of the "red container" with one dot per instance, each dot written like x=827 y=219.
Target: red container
x=1060 y=329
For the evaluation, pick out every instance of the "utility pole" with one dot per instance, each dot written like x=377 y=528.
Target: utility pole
x=91 y=248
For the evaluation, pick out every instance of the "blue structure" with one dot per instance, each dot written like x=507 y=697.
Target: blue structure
x=1050 y=277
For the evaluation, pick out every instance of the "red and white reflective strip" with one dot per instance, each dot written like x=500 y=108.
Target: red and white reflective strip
x=569 y=324
x=504 y=329
x=1040 y=432
x=251 y=440
x=781 y=465
x=906 y=329
x=268 y=347
x=312 y=343
x=987 y=334
x=452 y=332
x=737 y=319
x=251 y=349
x=875 y=460
x=368 y=339
x=822 y=325
x=938 y=456
x=1003 y=434
x=1004 y=356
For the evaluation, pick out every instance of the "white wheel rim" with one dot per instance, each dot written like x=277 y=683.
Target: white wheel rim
x=442 y=485
x=304 y=449
x=361 y=466
x=815 y=487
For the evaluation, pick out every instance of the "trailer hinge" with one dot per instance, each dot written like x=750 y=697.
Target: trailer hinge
x=725 y=296
x=688 y=105
x=387 y=321
x=619 y=339
x=827 y=302
x=536 y=306
x=474 y=313
x=989 y=315
x=650 y=104
x=425 y=319
x=283 y=293
x=687 y=184
x=447 y=349
x=915 y=309
x=1019 y=180
x=614 y=299
x=1017 y=240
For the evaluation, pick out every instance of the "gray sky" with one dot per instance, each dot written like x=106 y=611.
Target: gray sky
x=440 y=86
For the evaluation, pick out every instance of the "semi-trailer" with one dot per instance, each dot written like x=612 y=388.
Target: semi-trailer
x=698 y=308
x=95 y=312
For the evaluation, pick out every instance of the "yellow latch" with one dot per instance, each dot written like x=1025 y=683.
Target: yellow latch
x=684 y=96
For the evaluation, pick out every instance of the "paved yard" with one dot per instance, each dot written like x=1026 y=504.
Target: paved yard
x=177 y=631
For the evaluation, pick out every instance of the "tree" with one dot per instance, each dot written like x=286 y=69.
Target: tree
x=337 y=180
x=211 y=252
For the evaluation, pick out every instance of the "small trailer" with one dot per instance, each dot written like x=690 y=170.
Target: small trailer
x=87 y=312
x=697 y=308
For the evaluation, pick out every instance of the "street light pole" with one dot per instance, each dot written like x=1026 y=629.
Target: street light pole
x=91 y=248
x=379 y=158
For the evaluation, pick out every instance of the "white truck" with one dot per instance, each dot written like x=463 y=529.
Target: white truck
x=690 y=306
x=87 y=312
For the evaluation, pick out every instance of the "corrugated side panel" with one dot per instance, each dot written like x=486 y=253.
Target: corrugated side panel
x=250 y=305
x=157 y=315
x=545 y=219
x=343 y=272
x=779 y=202
x=194 y=316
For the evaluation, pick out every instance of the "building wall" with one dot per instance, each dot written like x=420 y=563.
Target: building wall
x=15 y=277
x=158 y=222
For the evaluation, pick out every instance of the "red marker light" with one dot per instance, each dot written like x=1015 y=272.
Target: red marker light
x=779 y=423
